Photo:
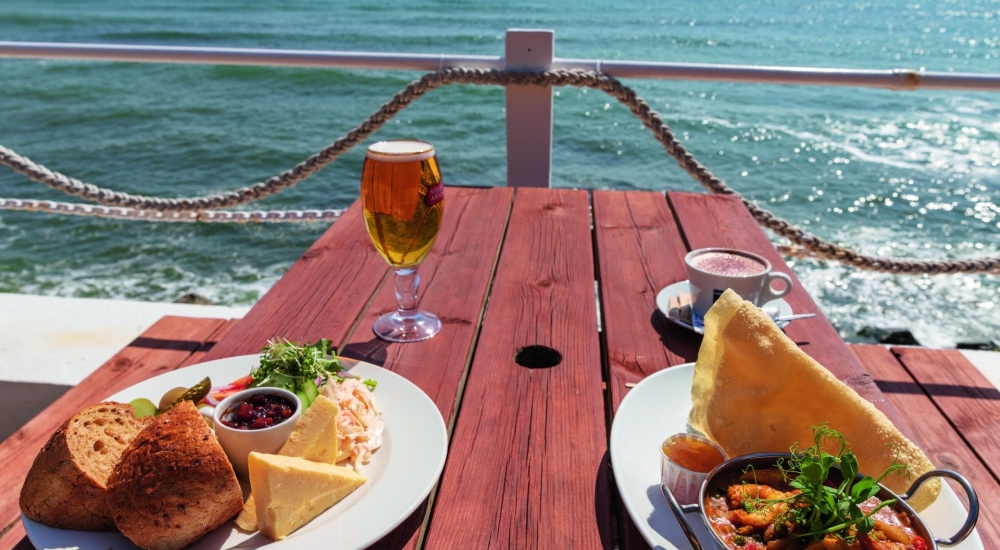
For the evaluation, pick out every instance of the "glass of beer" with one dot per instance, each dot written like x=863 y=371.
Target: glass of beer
x=403 y=200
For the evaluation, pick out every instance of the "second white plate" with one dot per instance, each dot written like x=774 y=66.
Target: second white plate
x=658 y=407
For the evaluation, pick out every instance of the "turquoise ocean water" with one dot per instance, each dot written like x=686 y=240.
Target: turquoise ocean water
x=909 y=174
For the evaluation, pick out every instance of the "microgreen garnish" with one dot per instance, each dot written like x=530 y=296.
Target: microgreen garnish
x=823 y=508
x=285 y=364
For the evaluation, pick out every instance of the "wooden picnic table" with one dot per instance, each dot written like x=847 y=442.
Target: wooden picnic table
x=528 y=458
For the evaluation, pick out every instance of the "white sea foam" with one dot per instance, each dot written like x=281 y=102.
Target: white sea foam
x=241 y=285
x=939 y=310
x=854 y=299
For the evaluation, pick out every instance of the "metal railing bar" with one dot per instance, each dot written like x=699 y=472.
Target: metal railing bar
x=245 y=56
x=896 y=79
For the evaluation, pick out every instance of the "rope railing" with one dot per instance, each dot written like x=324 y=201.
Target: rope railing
x=199 y=206
x=208 y=216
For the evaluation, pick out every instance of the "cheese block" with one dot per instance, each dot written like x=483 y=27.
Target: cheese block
x=314 y=438
x=290 y=491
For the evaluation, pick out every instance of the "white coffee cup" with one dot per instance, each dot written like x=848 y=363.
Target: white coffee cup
x=713 y=270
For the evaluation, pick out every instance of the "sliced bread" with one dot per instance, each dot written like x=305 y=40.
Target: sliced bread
x=174 y=483
x=67 y=484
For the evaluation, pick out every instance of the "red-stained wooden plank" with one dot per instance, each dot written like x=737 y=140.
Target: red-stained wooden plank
x=454 y=280
x=321 y=296
x=527 y=461
x=963 y=394
x=161 y=348
x=935 y=434
x=17 y=538
x=723 y=221
x=639 y=252
x=199 y=355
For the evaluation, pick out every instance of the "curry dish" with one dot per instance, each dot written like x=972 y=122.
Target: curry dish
x=750 y=513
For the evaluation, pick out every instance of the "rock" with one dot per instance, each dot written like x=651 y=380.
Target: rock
x=193 y=299
x=894 y=336
x=982 y=346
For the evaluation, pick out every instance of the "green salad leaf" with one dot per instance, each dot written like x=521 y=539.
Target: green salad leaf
x=299 y=368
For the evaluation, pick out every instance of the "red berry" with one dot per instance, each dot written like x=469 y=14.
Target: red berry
x=261 y=422
x=245 y=411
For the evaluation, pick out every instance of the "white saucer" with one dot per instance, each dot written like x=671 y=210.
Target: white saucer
x=663 y=304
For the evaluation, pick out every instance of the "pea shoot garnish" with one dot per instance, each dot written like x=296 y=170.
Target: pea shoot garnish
x=822 y=507
x=299 y=368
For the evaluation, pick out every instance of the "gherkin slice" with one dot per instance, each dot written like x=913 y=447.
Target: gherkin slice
x=195 y=394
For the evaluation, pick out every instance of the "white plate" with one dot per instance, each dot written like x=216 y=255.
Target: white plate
x=400 y=474
x=663 y=304
x=658 y=407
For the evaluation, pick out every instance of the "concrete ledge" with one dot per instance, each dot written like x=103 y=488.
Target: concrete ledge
x=60 y=341
x=988 y=363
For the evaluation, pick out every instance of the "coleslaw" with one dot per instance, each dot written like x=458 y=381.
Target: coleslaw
x=359 y=424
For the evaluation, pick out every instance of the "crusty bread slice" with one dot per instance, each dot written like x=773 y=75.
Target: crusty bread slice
x=174 y=483
x=67 y=484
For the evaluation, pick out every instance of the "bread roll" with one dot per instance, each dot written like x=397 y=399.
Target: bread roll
x=174 y=483
x=67 y=484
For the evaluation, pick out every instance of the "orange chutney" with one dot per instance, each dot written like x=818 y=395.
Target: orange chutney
x=693 y=454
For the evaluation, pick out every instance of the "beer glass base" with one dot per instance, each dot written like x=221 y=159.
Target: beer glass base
x=413 y=328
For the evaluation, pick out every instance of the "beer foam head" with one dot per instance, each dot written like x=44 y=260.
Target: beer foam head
x=400 y=151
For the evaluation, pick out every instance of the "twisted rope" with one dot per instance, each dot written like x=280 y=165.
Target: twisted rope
x=815 y=246
x=210 y=216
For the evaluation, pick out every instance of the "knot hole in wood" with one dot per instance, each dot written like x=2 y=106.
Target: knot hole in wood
x=537 y=357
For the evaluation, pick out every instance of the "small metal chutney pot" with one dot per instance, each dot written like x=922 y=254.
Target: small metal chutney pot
x=738 y=465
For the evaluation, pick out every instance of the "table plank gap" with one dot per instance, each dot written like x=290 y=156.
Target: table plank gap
x=13 y=535
x=677 y=222
x=455 y=281
x=935 y=434
x=527 y=455
x=456 y=408
x=963 y=395
x=640 y=250
x=636 y=230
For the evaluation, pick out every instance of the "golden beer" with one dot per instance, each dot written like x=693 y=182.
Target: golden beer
x=403 y=200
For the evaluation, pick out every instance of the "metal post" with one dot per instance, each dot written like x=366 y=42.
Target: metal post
x=529 y=110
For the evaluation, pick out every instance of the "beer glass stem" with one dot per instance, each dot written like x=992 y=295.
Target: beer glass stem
x=407 y=284
x=407 y=323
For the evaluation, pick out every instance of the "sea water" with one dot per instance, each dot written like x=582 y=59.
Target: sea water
x=905 y=174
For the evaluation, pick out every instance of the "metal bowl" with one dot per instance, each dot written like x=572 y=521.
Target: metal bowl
x=768 y=460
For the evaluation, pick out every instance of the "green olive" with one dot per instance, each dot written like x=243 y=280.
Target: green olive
x=143 y=407
x=171 y=396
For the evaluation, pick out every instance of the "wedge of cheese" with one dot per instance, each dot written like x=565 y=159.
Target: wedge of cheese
x=315 y=435
x=290 y=491
x=314 y=438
